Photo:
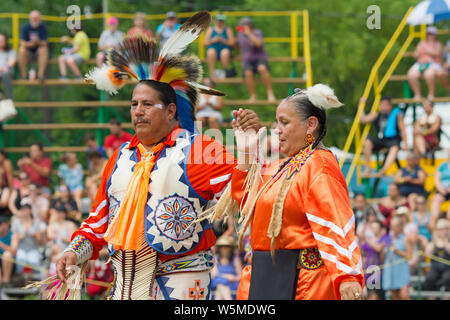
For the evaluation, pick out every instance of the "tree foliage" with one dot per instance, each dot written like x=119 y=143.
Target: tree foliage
x=343 y=52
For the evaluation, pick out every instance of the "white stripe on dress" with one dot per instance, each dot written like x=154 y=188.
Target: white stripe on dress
x=331 y=225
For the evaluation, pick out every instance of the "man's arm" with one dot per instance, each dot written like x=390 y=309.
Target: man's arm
x=367 y=118
x=257 y=41
x=42 y=171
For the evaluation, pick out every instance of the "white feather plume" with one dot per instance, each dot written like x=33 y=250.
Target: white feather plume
x=100 y=77
x=322 y=96
x=186 y=34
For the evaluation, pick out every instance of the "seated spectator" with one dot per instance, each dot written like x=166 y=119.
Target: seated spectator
x=99 y=270
x=415 y=241
x=362 y=210
x=226 y=273
x=28 y=236
x=39 y=203
x=5 y=247
x=63 y=197
x=422 y=217
x=6 y=171
x=116 y=137
x=166 y=29
x=428 y=54
x=6 y=183
x=71 y=174
x=75 y=55
x=442 y=184
x=390 y=130
x=219 y=40
x=109 y=38
x=33 y=45
x=447 y=57
x=38 y=167
x=396 y=273
x=390 y=203
x=439 y=274
x=209 y=107
x=411 y=179
x=19 y=194
x=372 y=252
x=427 y=130
x=140 y=26
x=8 y=59
x=59 y=232
x=254 y=57
x=91 y=145
x=98 y=163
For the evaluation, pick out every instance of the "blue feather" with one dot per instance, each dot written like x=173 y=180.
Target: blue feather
x=185 y=111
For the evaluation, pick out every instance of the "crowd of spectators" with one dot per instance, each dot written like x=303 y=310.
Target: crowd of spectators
x=395 y=233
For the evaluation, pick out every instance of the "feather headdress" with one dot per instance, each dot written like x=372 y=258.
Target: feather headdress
x=138 y=59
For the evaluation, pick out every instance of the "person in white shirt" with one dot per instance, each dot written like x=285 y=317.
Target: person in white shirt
x=109 y=38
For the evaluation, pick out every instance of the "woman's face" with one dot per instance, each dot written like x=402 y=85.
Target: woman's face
x=393 y=191
x=428 y=107
x=24 y=179
x=139 y=22
x=290 y=129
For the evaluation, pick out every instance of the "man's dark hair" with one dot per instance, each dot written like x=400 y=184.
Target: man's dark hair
x=358 y=194
x=4 y=219
x=89 y=136
x=94 y=154
x=115 y=121
x=387 y=98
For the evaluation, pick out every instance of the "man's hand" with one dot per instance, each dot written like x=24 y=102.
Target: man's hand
x=68 y=259
x=246 y=119
x=350 y=290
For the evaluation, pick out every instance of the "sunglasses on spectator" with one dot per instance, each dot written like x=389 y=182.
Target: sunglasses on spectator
x=420 y=202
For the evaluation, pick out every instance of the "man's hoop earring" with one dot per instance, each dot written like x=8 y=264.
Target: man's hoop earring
x=309 y=139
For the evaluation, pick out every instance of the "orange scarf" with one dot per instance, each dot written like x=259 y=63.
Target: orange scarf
x=126 y=231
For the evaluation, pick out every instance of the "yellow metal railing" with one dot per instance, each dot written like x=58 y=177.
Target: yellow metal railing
x=294 y=39
x=376 y=85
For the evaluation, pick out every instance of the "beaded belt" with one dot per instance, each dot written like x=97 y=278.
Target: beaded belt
x=309 y=259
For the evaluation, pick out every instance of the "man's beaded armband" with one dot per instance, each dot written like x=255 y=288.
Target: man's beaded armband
x=82 y=247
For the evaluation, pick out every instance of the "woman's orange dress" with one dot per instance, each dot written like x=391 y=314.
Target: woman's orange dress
x=317 y=214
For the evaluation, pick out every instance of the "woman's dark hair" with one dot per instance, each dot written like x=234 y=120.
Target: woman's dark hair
x=3 y=152
x=7 y=47
x=166 y=93
x=306 y=109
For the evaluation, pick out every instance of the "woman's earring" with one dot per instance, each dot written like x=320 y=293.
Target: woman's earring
x=309 y=139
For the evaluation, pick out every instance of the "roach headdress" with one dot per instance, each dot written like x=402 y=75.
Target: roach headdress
x=138 y=59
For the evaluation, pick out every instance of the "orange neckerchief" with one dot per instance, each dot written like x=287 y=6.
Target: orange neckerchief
x=126 y=231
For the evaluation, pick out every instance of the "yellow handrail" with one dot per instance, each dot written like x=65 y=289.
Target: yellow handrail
x=306 y=49
x=377 y=88
x=369 y=85
x=294 y=39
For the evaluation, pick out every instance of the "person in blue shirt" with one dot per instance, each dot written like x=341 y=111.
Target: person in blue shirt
x=442 y=183
x=33 y=45
x=5 y=243
x=390 y=132
x=219 y=40
x=167 y=28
